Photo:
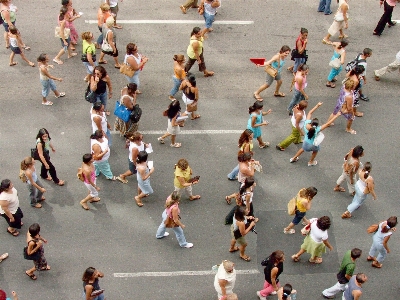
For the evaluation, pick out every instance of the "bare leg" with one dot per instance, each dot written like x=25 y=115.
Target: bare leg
x=300 y=152
x=233 y=243
x=12 y=58
x=116 y=61
x=173 y=139
x=260 y=89
x=348 y=128
x=242 y=248
x=60 y=53
x=260 y=141
x=290 y=226
x=126 y=174
x=27 y=60
x=313 y=155
x=327 y=37
x=167 y=134
x=278 y=86
x=300 y=253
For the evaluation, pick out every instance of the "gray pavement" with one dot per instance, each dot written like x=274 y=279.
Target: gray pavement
x=116 y=236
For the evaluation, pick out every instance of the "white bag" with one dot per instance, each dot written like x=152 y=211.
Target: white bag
x=335 y=63
x=106 y=47
x=339 y=17
x=318 y=139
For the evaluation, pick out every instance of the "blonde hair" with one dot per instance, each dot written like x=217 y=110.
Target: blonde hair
x=228 y=265
x=179 y=57
x=104 y=7
x=172 y=199
x=110 y=21
x=349 y=84
x=86 y=35
x=26 y=163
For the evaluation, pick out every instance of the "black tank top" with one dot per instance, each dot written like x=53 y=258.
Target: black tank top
x=189 y=94
x=101 y=87
x=95 y=285
x=268 y=269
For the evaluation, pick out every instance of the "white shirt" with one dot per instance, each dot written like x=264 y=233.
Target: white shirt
x=132 y=145
x=103 y=147
x=317 y=234
x=103 y=121
x=230 y=277
x=12 y=199
x=113 y=3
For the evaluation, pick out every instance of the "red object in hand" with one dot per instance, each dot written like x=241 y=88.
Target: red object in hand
x=257 y=61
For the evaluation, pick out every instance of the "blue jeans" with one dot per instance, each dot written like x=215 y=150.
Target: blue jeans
x=378 y=247
x=108 y=134
x=102 y=98
x=358 y=199
x=209 y=19
x=134 y=78
x=47 y=85
x=177 y=84
x=103 y=167
x=232 y=175
x=100 y=38
x=297 y=97
x=325 y=6
x=297 y=63
x=178 y=231
x=298 y=217
x=99 y=297
x=34 y=194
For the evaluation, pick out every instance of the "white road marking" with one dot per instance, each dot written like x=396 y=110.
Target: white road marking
x=148 y=132
x=175 y=22
x=179 y=273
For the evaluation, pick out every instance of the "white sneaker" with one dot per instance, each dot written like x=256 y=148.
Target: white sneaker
x=166 y=234
x=261 y=297
x=188 y=245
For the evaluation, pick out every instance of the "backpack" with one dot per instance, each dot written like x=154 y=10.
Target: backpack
x=352 y=64
x=22 y=176
x=136 y=114
x=80 y=175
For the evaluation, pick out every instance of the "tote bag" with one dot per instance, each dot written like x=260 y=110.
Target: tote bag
x=121 y=111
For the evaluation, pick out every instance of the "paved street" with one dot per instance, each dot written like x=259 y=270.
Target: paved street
x=115 y=235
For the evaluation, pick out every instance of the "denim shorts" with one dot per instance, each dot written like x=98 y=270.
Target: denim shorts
x=16 y=50
x=310 y=147
x=209 y=19
x=5 y=24
x=68 y=42
x=298 y=217
x=132 y=167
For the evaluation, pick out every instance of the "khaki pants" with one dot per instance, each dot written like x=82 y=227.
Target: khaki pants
x=390 y=68
x=190 y=3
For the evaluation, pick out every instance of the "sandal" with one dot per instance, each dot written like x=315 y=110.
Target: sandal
x=197 y=197
x=103 y=62
x=49 y=177
x=209 y=74
x=280 y=94
x=138 y=202
x=312 y=164
x=176 y=145
x=37 y=205
x=84 y=205
x=183 y=9
x=161 y=140
x=339 y=189
x=61 y=183
x=290 y=231
x=112 y=178
x=32 y=276
x=13 y=64
x=377 y=78
x=246 y=258
x=73 y=54
x=344 y=36
x=228 y=200
x=195 y=117
x=62 y=94
x=95 y=199
x=57 y=61
x=47 y=103
x=295 y=258
x=47 y=268
x=265 y=145
x=31 y=64
x=13 y=233
x=5 y=255
x=375 y=264
x=351 y=131
x=234 y=249
x=119 y=178
x=293 y=159
x=257 y=98
x=171 y=98
x=279 y=148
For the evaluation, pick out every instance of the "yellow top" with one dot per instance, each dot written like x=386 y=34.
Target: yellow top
x=190 y=51
x=179 y=173
x=181 y=74
x=299 y=200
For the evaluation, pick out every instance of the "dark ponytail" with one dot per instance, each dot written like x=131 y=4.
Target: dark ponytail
x=256 y=105
x=287 y=291
x=5 y=185
x=367 y=168
x=311 y=132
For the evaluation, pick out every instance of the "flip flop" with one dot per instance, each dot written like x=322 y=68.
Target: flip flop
x=234 y=250
x=122 y=180
x=103 y=62
x=246 y=258
x=209 y=74
x=197 y=197
x=47 y=268
x=257 y=98
x=280 y=94
x=138 y=202
x=176 y=145
x=228 y=200
x=57 y=61
x=47 y=103
x=5 y=255
x=295 y=258
x=60 y=95
x=339 y=189
x=13 y=64
x=351 y=131
x=13 y=233
x=195 y=117
x=117 y=26
x=377 y=265
x=279 y=148
x=32 y=276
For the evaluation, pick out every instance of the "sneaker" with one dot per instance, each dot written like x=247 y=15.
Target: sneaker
x=328 y=297
x=188 y=245
x=261 y=297
x=294 y=159
x=314 y=163
x=166 y=234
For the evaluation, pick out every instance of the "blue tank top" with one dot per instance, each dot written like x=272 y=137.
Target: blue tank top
x=95 y=285
x=34 y=177
x=275 y=65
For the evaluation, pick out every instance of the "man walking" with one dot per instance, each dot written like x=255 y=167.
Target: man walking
x=345 y=272
x=354 y=288
x=389 y=68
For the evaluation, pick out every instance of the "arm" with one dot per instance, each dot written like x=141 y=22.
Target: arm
x=299 y=117
x=183 y=84
x=264 y=113
x=174 y=122
x=274 y=58
x=327 y=244
x=196 y=94
x=306 y=204
x=385 y=241
x=134 y=65
x=142 y=172
x=28 y=174
x=40 y=149
x=97 y=154
x=371 y=187
x=90 y=59
x=97 y=121
x=342 y=56
x=32 y=247
x=349 y=104
x=247 y=204
x=88 y=291
x=222 y=283
x=4 y=206
x=245 y=170
x=242 y=227
x=46 y=72
x=326 y=125
x=274 y=271
x=6 y=16
x=175 y=217
x=253 y=122
x=309 y=115
x=183 y=182
x=110 y=36
x=107 y=79
x=301 y=48
x=196 y=47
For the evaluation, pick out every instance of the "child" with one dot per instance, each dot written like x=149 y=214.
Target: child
x=16 y=46
x=35 y=245
x=35 y=187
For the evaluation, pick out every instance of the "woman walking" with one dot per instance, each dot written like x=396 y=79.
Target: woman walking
x=43 y=146
x=311 y=130
x=225 y=279
x=277 y=62
x=210 y=10
x=173 y=113
x=350 y=169
x=273 y=268
x=303 y=204
x=99 y=120
x=128 y=98
x=143 y=177
x=88 y=54
x=47 y=80
x=101 y=154
x=35 y=245
x=110 y=38
x=136 y=62
x=71 y=16
x=91 y=286
x=364 y=186
x=64 y=37
x=388 y=7
x=339 y=52
x=245 y=144
x=89 y=179
x=9 y=207
x=171 y=219
x=380 y=241
x=183 y=180
x=179 y=75
x=300 y=54
x=8 y=16
x=300 y=83
x=103 y=13
x=17 y=46
x=316 y=241
x=356 y=75
x=340 y=22
x=99 y=83
x=190 y=96
x=256 y=121
x=35 y=187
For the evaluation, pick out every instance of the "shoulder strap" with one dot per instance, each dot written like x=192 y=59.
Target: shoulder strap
x=87 y=49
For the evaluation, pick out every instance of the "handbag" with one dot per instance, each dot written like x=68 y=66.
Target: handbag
x=122 y=112
x=339 y=17
x=306 y=229
x=57 y=32
x=373 y=228
x=169 y=223
x=191 y=107
x=106 y=47
x=35 y=153
x=335 y=63
x=33 y=256
x=126 y=70
x=271 y=71
x=84 y=56
x=291 y=207
x=318 y=139
x=90 y=96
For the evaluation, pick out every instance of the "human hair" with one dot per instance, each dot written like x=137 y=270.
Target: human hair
x=41 y=133
x=324 y=223
x=367 y=51
x=135 y=136
x=110 y=21
x=367 y=169
x=97 y=106
x=192 y=79
x=303 y=104
x=247 y=183
x=173 y=109
x=132 y=87
x=141 y=157
x=102 y=71
x=243 y=157
x=26 y=163
x=309 y=192
x=349 y=84
x=343 y=43
x=245 y=137
x=5 y=185
x=357 y=151
x=276 y=256
x=98 y=134
x=392 y=221
x=285 y=48
x=355 y=253
x=86 y=158
x=130 y=48
x=303 y=30
x=42 y=57
x=64 y=2
x=360 y=277
x=63 y=12
x=232 y=297
x=357 y=70
x=240 y=213
x=182 y=164
x=256 y=105
x=195 y=30
x=173 y=198
x=104 y=7
x=179 y=57
x=287 y=291
x=311 y=132
x=13 y=29
x=228 y=265
x=34 y=229
x=302 y=68
x=87 y=35
x=88 y=274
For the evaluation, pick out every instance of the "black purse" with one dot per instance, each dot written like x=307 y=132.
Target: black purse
x=35 y=153
x=341 y=276
x=33 y=256
x=237 y=233
x=90 y=96
x=84 y=56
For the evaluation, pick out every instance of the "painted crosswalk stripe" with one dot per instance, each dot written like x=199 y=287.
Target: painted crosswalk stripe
x=233 y=22
x=180 y=273
x=189 y=132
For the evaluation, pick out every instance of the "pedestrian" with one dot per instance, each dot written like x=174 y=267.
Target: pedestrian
x=380 y=241
x=3 y=257
x=245 y=144
x=276 y=62
x=388 y=6
x=188 y=4
x=173 y=113
x=109 y=38
x=273 y=268
x=103 y=13
x=340 y=22
x=190 y=96
x=361 y=60
x=183 y=179
x=300 y=83
x=143 y=177
x=3 y=295
x=389 y=68
x=325 y=7
x=287 y=292
x=64 y=36
x=303 y=204
x=240 y=227
x=311 y=130
x=225 y=279
x=195 y=52
x=364 y=186
x=179 y=75
x=316 y=241
x=354 y=287
x=88 y=54
x=8 y=16
x=128 y=99
x=171 y=219
x=114 y=8
x=297 y=118
x=101 y=154
x=299 y=53
x=256 y=120
x=350 y=169
x=346 y=270
x=91 y=286
x=71 y=16
x=47 y=80
x=339 y=52
x=89 y=179
x=9 y=207
x=209 y=12
x=17 y=45
x=99 y=82
x=35 y=245
x=35 y=187
x=99 y=120
x=356 y=75
x=246 y=192
x=136 y=62
x=43 y=146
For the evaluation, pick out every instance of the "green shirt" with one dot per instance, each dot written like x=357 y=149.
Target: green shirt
x=348 y=263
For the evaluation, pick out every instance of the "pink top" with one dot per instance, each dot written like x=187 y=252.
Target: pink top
x=92 y=177
x=296 y=85
x=169 y=210
x=391 y=2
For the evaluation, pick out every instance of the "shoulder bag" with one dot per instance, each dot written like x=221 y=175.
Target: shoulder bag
x=335 y=63
x=341 y=276
x=271 y=71
x=84 y=56
x=90 y=96
x=122 y=112
x=292 y=206
x=33 y=256
x=318 y=139
x=126 y=70
x=57 y=32
x=106 y=47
